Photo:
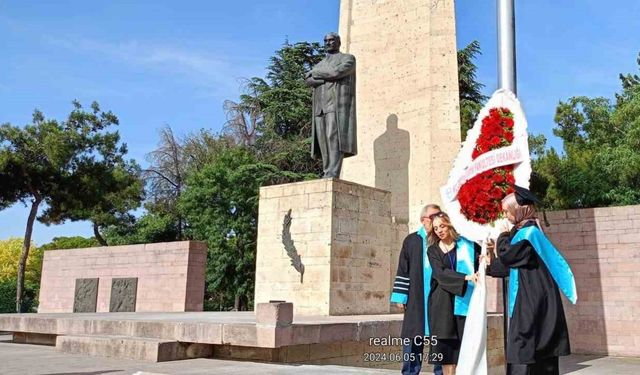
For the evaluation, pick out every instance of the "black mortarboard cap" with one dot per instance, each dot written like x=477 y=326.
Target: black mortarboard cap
x=525 y=196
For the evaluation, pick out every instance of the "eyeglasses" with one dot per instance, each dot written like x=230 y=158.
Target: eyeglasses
x=437 y=214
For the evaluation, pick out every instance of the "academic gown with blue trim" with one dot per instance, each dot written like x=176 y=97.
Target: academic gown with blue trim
x=446 y=283
x=538 y=328
x=409 y=286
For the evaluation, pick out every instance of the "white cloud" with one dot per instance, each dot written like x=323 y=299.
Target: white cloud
x=215 y=74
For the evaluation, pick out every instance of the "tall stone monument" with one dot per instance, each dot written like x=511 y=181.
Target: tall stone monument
x=407 y=103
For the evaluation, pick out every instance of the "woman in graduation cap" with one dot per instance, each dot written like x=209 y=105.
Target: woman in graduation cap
x=537 y=333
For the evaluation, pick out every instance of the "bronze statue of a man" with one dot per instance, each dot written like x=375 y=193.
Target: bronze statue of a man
x=334 y=107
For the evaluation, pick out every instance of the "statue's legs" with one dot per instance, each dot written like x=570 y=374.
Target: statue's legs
x=328 y=140
x=322 y=141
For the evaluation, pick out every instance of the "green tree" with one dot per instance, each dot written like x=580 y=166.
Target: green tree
x=285 y=103
x=470 y=90
x=110 y=192
x=221 y=206
x=538 y=149
x=10 y=252
x=8 y=296
x=160 y=221
x=204 y=147
x=600 y=165
x=75 y=242
x=46 y=163
x=155 y=225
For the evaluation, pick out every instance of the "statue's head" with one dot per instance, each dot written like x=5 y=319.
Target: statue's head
x=332 y=42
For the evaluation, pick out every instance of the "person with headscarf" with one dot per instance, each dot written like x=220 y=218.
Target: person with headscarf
x=537 y=333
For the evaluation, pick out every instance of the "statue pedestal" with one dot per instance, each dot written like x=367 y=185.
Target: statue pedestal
x=344 y=236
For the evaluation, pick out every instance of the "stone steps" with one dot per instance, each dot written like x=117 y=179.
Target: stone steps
x=129 y=347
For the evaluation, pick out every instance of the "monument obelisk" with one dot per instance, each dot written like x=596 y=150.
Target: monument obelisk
x=407 y=102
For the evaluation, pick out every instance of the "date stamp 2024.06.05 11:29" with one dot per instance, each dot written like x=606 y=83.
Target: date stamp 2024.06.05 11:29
x=384 y=356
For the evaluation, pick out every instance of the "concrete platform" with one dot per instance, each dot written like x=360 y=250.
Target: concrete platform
x=220 y=328
x=246 y=336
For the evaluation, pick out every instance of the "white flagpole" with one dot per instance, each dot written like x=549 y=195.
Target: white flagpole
x=506 y=46
x=506 y=80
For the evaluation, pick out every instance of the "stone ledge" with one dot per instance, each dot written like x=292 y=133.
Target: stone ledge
x=136 y=348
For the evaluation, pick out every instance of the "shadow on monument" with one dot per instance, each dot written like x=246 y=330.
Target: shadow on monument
x=391 y=156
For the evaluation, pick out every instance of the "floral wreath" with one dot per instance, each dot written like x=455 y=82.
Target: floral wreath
x=480 y=197
x=492 y=160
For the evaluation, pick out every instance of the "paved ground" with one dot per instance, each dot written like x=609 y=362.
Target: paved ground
x=19 y=359
x=600 y=365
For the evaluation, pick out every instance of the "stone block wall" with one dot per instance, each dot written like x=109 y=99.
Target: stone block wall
x=170 y=275
x=343 y=233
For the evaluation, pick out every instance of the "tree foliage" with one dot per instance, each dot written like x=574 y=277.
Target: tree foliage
x=204 y=147
x=69 y=167
x=470 y=89
x=285 y=102
x=155 y=225
x=10 y=251
x=8 y=297
x=221 y=206
x=75 y=242
x=600 y=165
x=112 y=191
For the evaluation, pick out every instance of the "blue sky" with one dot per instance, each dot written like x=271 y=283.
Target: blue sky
x=166 y=62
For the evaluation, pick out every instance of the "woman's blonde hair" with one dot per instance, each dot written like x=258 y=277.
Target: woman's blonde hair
x=433 y=237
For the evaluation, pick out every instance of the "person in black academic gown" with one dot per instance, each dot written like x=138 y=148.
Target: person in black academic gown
x=446 y=284
x=409 y=291
x=537 y=333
